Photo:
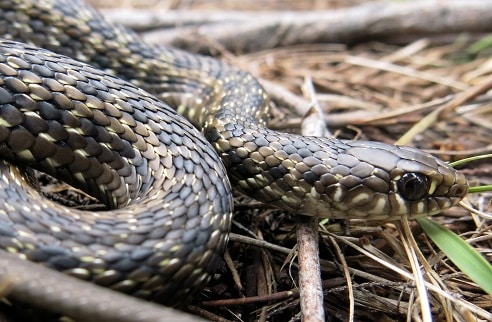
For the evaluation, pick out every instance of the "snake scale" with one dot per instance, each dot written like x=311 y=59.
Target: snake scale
x=90 y=121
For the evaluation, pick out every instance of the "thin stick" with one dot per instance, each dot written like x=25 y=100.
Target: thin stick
x=311 y=291
x=56 y=292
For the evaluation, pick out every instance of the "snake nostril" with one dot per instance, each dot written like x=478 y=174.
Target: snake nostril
x=459 y=190
x=413 y=186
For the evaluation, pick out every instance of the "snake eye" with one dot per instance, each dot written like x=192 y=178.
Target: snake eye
x=413 y=186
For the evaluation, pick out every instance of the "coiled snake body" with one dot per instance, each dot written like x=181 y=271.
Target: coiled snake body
x=167 y=188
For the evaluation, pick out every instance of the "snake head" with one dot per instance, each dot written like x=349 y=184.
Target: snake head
x=386 y=182
x=341 y=179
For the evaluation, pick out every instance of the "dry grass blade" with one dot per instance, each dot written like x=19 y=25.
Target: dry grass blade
x=459 y=100
x=458 y=302
x=411 y=247
x=407 y=71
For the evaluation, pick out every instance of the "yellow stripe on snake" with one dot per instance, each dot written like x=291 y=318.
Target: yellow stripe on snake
x=166 y=186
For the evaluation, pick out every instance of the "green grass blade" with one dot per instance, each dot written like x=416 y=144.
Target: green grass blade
x=467 y=259
x=483 y=188
x=470 y=159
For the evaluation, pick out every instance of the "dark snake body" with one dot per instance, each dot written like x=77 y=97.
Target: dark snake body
x=166 y=185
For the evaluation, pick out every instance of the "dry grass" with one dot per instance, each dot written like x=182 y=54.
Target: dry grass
x=372 y=91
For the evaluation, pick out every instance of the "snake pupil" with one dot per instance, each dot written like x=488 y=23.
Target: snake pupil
x=413 y=186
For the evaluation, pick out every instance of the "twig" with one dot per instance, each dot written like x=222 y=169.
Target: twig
x=235 y=275
x=285 y=98
x=48 y=289
x=254 y=299
x=293 y=293
x=255 y=31
x=311 y=291
x=206 y=314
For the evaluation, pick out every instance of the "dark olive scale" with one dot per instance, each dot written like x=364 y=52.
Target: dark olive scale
x=166 y=187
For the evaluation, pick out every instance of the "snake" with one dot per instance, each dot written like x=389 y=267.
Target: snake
x=160 y=136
